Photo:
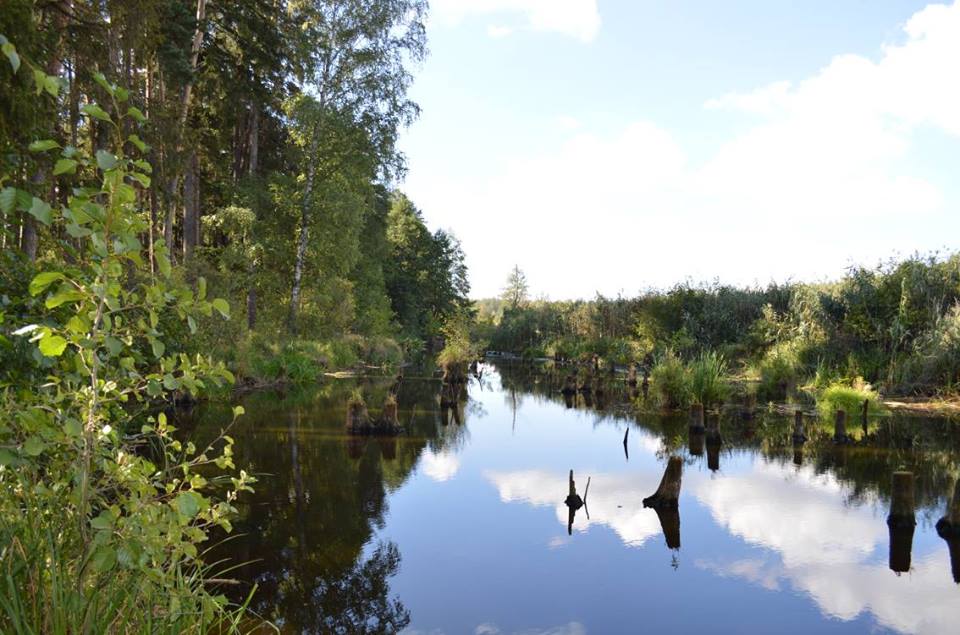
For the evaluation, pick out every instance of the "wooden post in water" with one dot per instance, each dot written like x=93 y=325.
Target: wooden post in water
x=901 y=521
x=864 y=415
x=713 y=430
x=695 y=442
x=948 y=528
x=670 y=524
x=696 y=417
x=799 y=438
x=901 y=501
x=573 y=499
x=840 y=427
x=668 y=493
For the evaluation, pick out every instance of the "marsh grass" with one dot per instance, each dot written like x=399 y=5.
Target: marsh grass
x=849 y=397
x=708 y=379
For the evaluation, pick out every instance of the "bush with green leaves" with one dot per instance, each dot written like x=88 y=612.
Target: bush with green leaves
x=708 y=379
x=103 y=511
x=671 y=381
x=848 y=396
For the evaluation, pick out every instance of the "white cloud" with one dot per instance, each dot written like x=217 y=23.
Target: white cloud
x=440 y=466
x=577 y=18
x=825 y=174
x=615 y=500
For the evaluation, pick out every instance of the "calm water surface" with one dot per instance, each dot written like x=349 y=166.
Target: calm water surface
x=461 y=527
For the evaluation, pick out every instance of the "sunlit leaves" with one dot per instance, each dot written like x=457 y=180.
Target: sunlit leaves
x=52 y=345
x=41 y=210
x=95 y=111
x=11 y=52
x=65 y=166
x=43 y=280
x=106 y=160
x=43 y=145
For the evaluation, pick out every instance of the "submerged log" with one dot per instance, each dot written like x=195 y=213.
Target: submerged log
x=696 y=417
x=902 y=501
x=799 y=438
x=667 y=495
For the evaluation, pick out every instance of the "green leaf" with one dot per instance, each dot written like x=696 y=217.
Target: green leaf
x=43 y=280
x=142 y=179
x=41 y=211
x=104 y=521
x=8 y=199
x=43 y=145
x=187 y=503
x=105 y=160
x=95 y=111
x=11 y=52
x=63 y=295
x=65 y=166
x=104 y=558
x=201 y=288
x=144 y=165
x=34 y=446
x=114 y=345
x=7 y=457
x=138 y=142
x=101 y=79
x=122 y=94
x=157 y=347
x=52 y=345
x=51 y=84
x=192 y=324
x=238 y=410
x=221 y=305
x=72 y=428
x=134 y=112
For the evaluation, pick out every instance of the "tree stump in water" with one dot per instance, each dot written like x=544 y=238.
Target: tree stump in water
x=573 y=499
x=798 y=455
x=569 y=385
x=645 y=386
x=632 y=376
x=840 y=427
x=865 y=415
x=713 y=430
x=696 y=417
x=902 y=501
x=669 y=518
x=799 y=437
x=358 y=422
x=901 y=547
x=695 y=441
x=389 y=423
x=949 y=525
x=667 y=495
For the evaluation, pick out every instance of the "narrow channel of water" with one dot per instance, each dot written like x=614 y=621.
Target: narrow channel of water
x=460 y=527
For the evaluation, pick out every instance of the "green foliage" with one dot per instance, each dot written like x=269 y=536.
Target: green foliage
x=707 y=378
x=779 y=368
x=671 y=381
x=104 y=509
x=849 y=397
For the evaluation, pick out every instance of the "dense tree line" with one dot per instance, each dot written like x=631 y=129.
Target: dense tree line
x=271 y=129
x=896 y=325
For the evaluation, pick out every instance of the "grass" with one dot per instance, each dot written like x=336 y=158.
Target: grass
x=849 y=397
x=707 y=379
x=671 y=381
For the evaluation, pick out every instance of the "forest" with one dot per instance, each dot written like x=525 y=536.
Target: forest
x=194 y=195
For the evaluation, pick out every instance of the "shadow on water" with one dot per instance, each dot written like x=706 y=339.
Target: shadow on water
x=312 y=535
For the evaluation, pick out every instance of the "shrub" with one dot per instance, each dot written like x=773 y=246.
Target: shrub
x=849 y=397
x=670 y=379
x=779 y=368
x=102 y=516
x=707 y=379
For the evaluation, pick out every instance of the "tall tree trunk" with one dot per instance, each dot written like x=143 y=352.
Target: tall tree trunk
x=191 y=208
x=304 y=234
x=252 y=172
x=177 y=162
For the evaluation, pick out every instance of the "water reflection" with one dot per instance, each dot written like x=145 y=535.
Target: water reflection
x=461 y=526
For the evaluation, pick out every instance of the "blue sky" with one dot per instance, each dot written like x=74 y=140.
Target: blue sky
x=611 y=146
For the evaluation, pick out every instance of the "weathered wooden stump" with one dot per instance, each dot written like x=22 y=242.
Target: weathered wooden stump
x=798 y=455
x=864 y=416
x=667 y=495
x=358 y=421
x=902 y=501
x=569 y=385
x=713 y=456
x=695 y=442
x=573 y=499
x=355 y=446
x=949 y=526
x=569 y=400
x=799 y=438
x=670 y=524
x=713 y=430
x=901 y=546
x=840 y=427
x=696 y=417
